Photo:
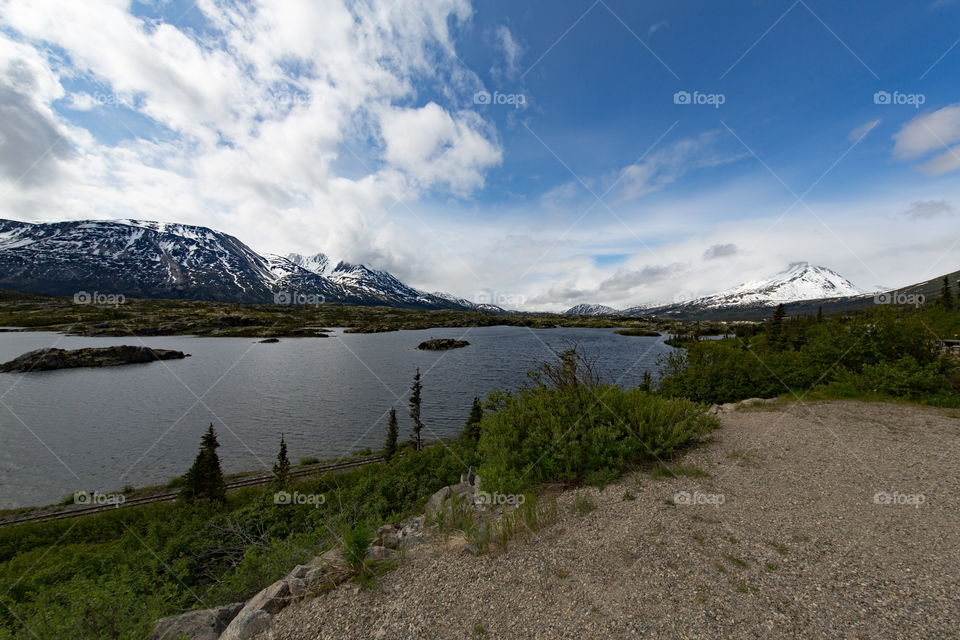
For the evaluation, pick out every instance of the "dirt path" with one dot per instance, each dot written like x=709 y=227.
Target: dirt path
x=802 y=546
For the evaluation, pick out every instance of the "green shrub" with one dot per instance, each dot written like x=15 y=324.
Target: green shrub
x=547 y=434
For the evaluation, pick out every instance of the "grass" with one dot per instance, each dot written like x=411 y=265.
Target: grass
x=664 y=471
x=735 y=561
x=628 y=496
x=779 y=548
x=771 y=566
x=582 y=505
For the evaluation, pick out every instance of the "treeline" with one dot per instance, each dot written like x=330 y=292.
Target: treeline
x=885 y=352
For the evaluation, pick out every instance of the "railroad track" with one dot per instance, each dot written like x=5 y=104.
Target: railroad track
x=171 y=496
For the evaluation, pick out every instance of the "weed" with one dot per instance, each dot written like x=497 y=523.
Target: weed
x=664 y=471
x=583 y=505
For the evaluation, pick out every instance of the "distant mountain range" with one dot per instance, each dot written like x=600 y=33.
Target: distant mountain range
x=163 y=260
x=801 y=287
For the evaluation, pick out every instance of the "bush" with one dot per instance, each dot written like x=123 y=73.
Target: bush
x=547 y=434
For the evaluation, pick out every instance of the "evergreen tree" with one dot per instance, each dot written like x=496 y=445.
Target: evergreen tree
x=472 y=429
x=415 y=402
x=390 y=446
x=281 y=470
x=647 y=384
x=776 y=337
x=946 y=295
x=204 y=480
x=819 y=314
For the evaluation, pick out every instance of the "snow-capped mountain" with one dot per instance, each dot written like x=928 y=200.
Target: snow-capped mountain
x=800 y=281
x=164 y=260
x=591 y=310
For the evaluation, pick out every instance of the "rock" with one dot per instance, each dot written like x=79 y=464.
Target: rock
x=388 y=536
x=247 y=624
x=206 y=624
x=298 y=571
x=298 y=587
x=436 y=502
x=269 y=340
x=378 y=553
x=52 y=359
x=442 y=344
x=714 y=410
x=272 y=599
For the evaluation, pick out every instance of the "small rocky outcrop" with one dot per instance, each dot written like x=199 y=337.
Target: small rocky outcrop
x=269 y=340
x=733 y=406
x=207 y=624
x=52 y=359
x=442 y=344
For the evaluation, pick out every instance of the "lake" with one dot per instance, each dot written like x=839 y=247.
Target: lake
x=101 y=429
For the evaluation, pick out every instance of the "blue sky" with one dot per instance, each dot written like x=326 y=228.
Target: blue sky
x=356 y=129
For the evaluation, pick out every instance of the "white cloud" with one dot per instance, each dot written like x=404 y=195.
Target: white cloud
x=928 y=132
x=862 y=131
x=664 y=166
x=657 y=26
x=512 y=52
x=292 y=125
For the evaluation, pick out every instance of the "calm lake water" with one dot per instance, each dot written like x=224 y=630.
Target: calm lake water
x=100 y=429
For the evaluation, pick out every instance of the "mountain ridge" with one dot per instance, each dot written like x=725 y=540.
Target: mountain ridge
x=151 y=259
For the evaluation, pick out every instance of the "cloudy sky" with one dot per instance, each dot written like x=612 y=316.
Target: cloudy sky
x=545 y=152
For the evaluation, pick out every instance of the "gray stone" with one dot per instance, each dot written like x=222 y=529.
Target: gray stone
x=436 y=502
x=380 y=553
x=298 y=571
x=206 y=624
x=248 y=624
x=298 y=587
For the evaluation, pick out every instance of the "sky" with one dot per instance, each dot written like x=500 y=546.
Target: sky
x=534 y=154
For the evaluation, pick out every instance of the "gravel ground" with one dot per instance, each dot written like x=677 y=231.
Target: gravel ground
x=799 y=547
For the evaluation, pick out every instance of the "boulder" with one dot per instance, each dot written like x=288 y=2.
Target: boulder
x=378 y=553
x=247 y=624
x=437 y=502
x=272 y=599
x=206 y=624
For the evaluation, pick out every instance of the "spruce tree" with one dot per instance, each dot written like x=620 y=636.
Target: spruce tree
x=647 y=384
x=390 y=446
x=946 y=295
x=776 y=337
x=415 y=401
x=819 y=314
x=472 y=429
x=281 y=470
x=204 y=480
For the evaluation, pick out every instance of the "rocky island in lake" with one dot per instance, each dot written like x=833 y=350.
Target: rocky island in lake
x=51 y=359
x=442 y=344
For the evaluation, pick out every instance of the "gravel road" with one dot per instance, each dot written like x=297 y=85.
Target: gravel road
x=834 y=520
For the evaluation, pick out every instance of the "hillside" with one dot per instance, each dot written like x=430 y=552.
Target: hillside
x=790 y=539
